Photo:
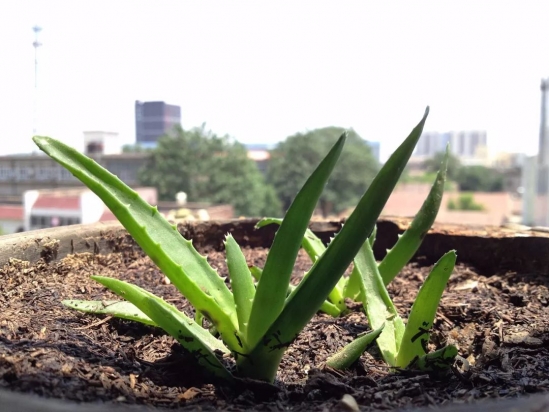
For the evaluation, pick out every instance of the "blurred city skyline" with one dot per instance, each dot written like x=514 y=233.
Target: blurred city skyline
x=261 y=72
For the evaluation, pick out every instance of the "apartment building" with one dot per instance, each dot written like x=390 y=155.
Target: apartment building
x=20 y=173
x=469 y=146
x=69 y=206
x=153 y=120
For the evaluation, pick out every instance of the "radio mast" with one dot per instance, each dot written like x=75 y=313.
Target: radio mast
x=36 y=44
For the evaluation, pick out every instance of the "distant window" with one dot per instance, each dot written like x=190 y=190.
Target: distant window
x=94 y=148
x=154 y=125
x=24 y=173
x=40 y=222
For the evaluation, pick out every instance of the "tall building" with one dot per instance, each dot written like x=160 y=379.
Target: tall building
x=543 y=154
x=430 y=143
x=154 y=119
x=469 y=146
x=541 y=173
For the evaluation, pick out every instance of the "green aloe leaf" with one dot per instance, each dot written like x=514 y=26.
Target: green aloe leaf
x=174 y=255
x=314 y=247
x=352 y=351
x=195 y=339
x=327 y=307
x=408 y=244
x=372 y=237
x=378 y=306
x=271 y=289
x=351 y=288
x=241 y=282
x=117 y=308
x=307 y=298
x=311 y=243
x=424 y=309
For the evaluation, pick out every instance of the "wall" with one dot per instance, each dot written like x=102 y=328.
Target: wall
x=91 y=207
x=407 y=199
x=29 y=172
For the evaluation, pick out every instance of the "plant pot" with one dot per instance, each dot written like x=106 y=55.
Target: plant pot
x=54 y=359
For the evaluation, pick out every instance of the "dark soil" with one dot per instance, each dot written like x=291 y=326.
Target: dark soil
x=499 y=323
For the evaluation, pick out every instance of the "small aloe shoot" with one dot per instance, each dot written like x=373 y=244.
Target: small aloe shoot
x=255 y=324
x=402 y=345
x=423 y=312
x=345 y=358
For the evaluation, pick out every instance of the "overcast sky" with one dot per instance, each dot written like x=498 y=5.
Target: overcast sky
x=261 y=71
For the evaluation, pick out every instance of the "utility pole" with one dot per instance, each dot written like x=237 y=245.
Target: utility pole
x=36 y=44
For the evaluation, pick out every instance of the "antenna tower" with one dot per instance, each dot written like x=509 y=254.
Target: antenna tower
x=36 y=44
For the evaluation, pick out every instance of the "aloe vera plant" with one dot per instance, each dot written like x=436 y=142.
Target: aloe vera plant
x=403 y=346
x=256 y=323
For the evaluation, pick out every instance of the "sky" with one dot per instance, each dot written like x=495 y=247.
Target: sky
x=261 y=71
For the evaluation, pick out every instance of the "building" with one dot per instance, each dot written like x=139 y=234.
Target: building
x=538 y=169
x=528 y=189
x=431 y=143
x=543 y=151
x=61 y=207
x=260 y=154
x=96 y=142
x=507 y=160
x=153 y=120
x=19 y=173
x=535 y=183
x=469 y=146
x=11 y=218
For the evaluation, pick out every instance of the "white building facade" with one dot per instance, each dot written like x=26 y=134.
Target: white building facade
x=469 y=146
x=61 y=207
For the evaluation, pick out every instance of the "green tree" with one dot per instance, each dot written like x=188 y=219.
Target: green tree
x=465 y=201
x=433 y=164
x=479 y=179
x=294 y=159
x=209 y=168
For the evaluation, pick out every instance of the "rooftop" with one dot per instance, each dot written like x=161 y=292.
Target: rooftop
x=11 y=212
x=61 y=201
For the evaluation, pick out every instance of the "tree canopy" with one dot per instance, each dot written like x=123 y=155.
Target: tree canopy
x=293 y=161
x=479 y=179
x=209 y=168
x=469 y=178
x=433 y=165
